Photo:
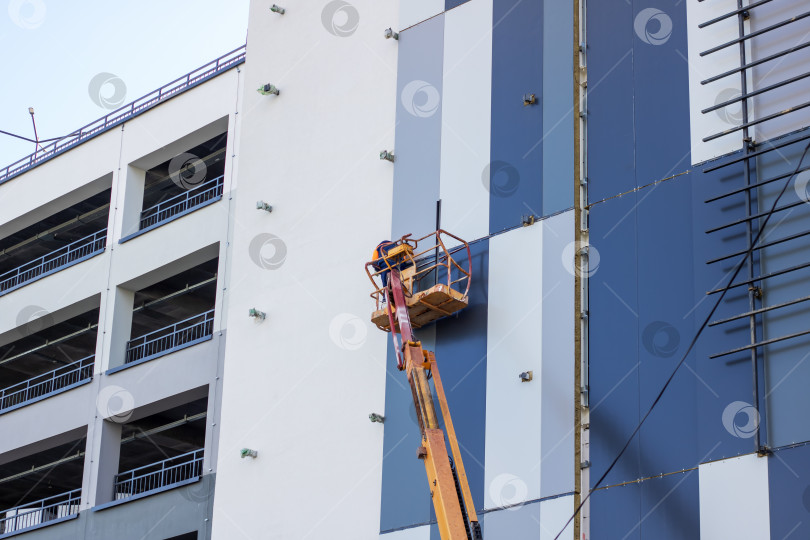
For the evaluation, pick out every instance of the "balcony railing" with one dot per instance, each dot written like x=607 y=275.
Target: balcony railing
x=36 y=513
x=184 y=202
x=54 y=261
x=171 y=338
x=118 y=116
x=48 y=383
x=158 y=475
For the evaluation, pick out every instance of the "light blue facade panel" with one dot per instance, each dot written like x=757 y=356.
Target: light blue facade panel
x=559 y=358
x=516 y=523
x=419 y=128
x=558 y=106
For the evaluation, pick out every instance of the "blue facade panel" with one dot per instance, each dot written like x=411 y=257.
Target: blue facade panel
x=647 y=300
x=638 y=94
x=789 y=490
x=461 y=353
x=788 y=370
x=461 y=349
x=611 y=135
x=670 y=507
x=665 y=508
x=516 y=187
x=616 y=512
x=614 y=364
x=668 y=439
x=726 y=380
x=660 y=89
x=450 y=4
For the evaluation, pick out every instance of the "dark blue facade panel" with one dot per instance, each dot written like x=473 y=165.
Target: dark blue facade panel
x=666 y=508
x=725 y=381
x=450 y=4
x=405 y=497
x=616 y=512
x=461 y=350
x=660 y=89
x=786 y=362
x=789 y=490
x=461 y=353
x=647 y=301
x=516 y=149
x=613 y=374
x=611 y=160
x=670 y=507
x=638 y=94
x=663 y=219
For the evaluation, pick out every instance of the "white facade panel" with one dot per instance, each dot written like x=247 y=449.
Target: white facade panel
x=530 y=328
x=415 y=533
x=791 y=65
x=466 y=113
x=413 y=12
x=701 y=68
x=759 y=77
x=554 y=514
x=515 y=317
x=734 y=501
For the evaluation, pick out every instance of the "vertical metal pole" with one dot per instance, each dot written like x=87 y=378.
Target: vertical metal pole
x=752 y=290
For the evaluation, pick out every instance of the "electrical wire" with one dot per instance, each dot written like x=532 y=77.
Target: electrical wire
x=691 y=344
x=33 y=141
x=17 y=136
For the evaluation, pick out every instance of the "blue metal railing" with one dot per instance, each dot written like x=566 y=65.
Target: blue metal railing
x=158 y=475
x=184 y=202
x=179 y=335
x=39 y=512
x=47 y=383
x=116 y=117
x=53 y=261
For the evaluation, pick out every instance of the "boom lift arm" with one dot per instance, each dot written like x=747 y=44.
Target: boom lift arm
x=418 y=288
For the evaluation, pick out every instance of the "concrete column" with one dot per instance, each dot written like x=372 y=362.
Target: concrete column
x=100 y=462
x=212 y=428
x=118 y=326
x=129 y=201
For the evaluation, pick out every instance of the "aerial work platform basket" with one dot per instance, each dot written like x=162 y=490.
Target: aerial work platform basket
x=435 y=284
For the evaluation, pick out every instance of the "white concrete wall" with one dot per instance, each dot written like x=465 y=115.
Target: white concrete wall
x=298 y=387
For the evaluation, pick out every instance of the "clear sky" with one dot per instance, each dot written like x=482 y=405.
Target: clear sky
x=50 y=51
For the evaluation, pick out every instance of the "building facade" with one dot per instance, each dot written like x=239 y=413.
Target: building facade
x=185 y=343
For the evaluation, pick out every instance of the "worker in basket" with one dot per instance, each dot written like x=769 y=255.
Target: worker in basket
x=383 y=265
x=379 y=261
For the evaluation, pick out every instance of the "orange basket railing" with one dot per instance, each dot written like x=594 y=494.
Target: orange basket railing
x=423 y=263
